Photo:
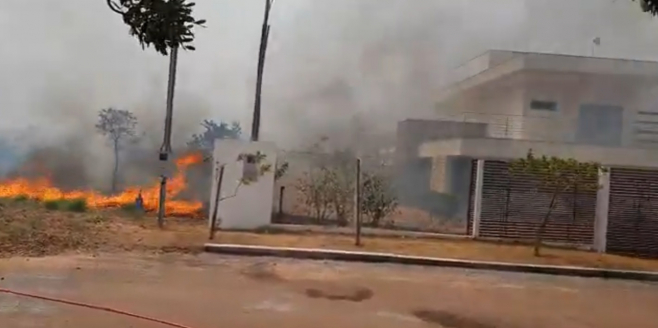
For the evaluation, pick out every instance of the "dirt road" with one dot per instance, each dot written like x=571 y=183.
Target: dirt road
x=211 y=291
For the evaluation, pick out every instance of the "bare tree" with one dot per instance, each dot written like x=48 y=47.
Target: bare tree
x=118 y=126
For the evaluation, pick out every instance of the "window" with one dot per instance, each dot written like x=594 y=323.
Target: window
x=543 y=105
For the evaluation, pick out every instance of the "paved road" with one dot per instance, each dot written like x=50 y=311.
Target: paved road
x=211 y=291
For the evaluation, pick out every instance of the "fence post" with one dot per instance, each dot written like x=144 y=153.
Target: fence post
x=602 y=207
x=477 y=198
x=281 y=193
x=357 y=203
x=218 y=193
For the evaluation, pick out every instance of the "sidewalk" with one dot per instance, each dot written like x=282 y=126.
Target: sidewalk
x=371 y=257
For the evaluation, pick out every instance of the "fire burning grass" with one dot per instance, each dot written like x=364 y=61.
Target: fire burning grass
x=54 y=198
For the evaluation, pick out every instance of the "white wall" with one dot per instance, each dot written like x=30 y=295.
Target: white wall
x=570 y=91
x=499 y=104
x=252 y=205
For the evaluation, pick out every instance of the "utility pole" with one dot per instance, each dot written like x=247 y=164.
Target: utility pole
x=165 y=149
x=357 y=204
x=264 y=37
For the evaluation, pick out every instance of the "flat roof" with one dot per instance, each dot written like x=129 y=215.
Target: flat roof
x=495 y=64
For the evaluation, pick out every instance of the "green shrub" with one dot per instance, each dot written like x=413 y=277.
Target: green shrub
x=21 y=198
x=52 y=204
x=75 y=205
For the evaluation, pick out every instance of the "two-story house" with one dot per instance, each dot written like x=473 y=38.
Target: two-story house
x=503 y=103
x=599 y=109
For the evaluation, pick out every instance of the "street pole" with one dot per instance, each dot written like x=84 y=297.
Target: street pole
x=264 y=37
x=165 y=149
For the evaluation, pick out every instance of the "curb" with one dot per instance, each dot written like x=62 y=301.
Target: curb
x=368 y=257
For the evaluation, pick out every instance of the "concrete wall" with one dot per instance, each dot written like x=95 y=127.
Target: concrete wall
x=246 y=206
x=570 y=91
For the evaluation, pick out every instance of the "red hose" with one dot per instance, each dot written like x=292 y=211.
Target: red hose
x=95 y=307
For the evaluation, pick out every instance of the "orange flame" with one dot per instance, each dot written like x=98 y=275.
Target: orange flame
x=43 y=190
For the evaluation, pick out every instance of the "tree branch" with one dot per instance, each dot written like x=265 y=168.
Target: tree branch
x=235 y=192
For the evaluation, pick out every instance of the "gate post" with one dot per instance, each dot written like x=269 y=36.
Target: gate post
x=477 y=198
x=602 y=208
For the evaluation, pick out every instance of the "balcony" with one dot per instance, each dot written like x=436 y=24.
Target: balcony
x=641 y=133
x=510 y=136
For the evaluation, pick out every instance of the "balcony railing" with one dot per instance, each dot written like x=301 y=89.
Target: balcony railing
x=635 y=134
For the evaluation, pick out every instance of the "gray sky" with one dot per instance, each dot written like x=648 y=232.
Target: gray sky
x=62 y=61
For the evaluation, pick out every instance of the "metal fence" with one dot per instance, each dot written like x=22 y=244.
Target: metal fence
x=513 y=205
x=633 y=212
x=319 y=189
x=316 y=189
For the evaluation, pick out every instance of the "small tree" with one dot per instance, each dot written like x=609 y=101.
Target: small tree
x=327 y=189
x=341 y=177
x=164 y=24
x=119 y=127
x=377 y=198
x=313 y=189
x=556 y=176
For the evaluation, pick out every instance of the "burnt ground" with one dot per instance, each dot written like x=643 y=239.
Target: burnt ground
x=204 y=291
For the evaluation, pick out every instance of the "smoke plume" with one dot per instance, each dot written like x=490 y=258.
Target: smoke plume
x=345 y=69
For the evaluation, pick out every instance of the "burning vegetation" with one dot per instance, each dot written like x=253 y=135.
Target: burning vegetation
x=42 y=189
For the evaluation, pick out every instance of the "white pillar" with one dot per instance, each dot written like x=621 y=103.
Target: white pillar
x=602 y=206
x=477 y=198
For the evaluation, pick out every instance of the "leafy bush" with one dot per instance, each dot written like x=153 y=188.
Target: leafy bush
x=52 y=205
x=377 y=198
x=76 y=205
x=21 y=198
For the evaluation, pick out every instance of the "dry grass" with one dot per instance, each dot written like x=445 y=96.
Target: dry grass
x=28 y=229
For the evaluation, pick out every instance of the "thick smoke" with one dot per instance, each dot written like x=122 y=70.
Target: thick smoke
x=345 y=69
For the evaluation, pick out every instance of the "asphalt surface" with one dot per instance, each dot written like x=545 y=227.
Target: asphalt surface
x=210 y=291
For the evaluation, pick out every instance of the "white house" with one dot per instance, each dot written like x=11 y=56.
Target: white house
x=599 y=109
x=503 y=103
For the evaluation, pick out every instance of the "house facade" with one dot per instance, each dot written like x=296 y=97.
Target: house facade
x=591 y=109
x=599 y=109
